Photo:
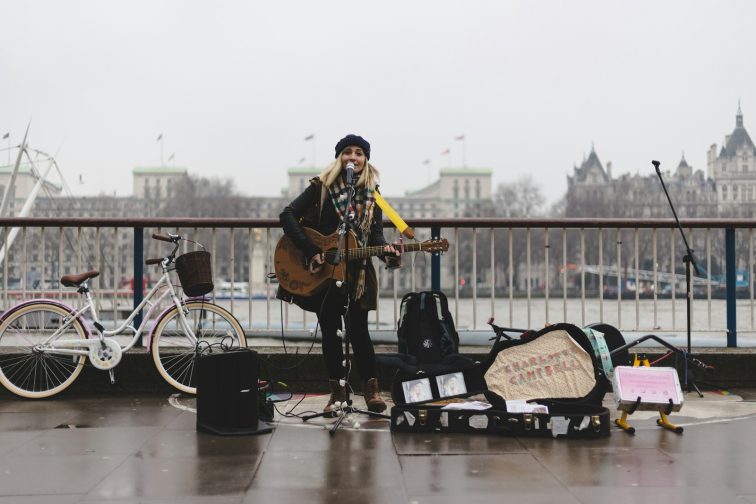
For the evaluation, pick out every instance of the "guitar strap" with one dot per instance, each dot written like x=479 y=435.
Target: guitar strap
x=384 y=205
x=323 y=196
x=394 y=217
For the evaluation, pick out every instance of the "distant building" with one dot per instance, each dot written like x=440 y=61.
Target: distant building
x=299 y=178
x=156 y=182
x=593 y=192
x=727 y=189
x=458 y=192
x=734 y=169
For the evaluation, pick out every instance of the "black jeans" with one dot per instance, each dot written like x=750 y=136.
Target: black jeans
x=357 y=332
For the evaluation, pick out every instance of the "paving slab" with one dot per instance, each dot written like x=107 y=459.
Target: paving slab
x=145 y=448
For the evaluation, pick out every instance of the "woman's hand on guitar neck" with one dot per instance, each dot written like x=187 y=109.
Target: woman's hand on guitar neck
x=315 y=264
x=392 y=256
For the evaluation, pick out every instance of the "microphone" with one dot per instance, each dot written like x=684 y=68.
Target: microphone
x=656 y=165
x=349 y=173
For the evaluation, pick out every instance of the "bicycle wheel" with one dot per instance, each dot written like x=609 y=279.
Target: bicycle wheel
x=30 y=371
x=175 y=354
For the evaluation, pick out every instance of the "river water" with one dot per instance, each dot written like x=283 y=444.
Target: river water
x=667 y=316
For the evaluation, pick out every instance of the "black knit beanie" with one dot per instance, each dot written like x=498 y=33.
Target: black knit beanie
x=354 y=140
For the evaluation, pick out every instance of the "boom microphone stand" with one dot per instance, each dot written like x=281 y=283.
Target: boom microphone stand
x=689 y=261
x=342 y=254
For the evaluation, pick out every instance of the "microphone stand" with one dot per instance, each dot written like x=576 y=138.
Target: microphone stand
x=342 y=254
x=689 y=261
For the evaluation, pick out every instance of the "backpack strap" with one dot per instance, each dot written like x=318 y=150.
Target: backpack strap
x=437 y=304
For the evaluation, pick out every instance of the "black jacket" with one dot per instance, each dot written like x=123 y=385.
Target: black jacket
x=305 y=211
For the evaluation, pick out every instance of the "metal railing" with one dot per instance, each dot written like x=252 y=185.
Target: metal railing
x=525 y=272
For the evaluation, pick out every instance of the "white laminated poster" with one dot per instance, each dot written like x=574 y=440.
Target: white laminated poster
x=468 y=405
x=444 y=419
x=584 y=424
x=410 y=418
x=522 y=406
x=559 y=426
x=478 y=421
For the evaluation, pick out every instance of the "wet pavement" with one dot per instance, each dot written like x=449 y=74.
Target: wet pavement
x=146 y=449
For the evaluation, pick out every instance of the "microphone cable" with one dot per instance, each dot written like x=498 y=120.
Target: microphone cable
x=269 y=364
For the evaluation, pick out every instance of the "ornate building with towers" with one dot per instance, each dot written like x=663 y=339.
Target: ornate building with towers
x=727 y=189
x=734 y=169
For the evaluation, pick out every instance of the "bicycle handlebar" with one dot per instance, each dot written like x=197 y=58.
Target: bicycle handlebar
x=150 y=262
x=166 y=238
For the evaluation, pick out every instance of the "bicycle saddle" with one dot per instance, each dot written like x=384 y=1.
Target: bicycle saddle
x=75 y=279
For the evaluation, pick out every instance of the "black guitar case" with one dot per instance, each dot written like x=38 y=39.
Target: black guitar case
x=554 y=367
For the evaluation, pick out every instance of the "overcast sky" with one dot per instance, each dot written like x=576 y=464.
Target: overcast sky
x=235 y=87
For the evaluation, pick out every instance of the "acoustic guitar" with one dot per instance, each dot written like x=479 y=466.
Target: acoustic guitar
x=291 y=264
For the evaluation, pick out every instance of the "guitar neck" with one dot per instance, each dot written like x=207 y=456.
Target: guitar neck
x=365 y=252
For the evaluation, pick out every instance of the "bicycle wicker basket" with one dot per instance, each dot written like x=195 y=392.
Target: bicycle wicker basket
x=195 y=273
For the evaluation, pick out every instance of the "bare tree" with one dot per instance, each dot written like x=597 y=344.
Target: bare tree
x=195 y=196
x=521 y=198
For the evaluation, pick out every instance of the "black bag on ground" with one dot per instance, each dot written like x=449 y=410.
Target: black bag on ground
x=426 y=328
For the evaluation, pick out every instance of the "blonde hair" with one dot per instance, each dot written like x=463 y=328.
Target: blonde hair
x=368 y=177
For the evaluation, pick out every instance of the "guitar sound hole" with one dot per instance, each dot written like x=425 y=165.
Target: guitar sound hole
x=330 y=256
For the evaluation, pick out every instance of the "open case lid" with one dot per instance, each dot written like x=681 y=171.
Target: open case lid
x=447 y=384
x=556 y=363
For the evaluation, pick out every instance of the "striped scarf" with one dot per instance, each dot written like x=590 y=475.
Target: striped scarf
x=362 y=207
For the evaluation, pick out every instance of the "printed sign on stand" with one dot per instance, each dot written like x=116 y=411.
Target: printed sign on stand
x=655 y=386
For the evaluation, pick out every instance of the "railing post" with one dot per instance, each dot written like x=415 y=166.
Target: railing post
x=436 y=261
x=138 y=274
x=730 y=276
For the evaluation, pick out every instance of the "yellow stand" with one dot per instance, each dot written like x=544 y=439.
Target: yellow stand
x=663 y=422
x=622 y=423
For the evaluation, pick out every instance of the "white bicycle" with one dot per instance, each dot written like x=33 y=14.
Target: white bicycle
x=45 y=343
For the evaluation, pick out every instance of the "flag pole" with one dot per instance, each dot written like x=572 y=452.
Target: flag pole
x=308 y=138
x=447 y=153
x=160 y=139
x=464 y=149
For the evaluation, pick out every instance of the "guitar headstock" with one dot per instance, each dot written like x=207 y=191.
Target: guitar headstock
x=436 y=245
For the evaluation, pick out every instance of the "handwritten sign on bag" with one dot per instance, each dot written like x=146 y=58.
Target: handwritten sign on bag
x=551 y=366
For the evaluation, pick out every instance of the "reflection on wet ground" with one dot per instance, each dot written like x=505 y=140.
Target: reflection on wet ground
x=146 y=449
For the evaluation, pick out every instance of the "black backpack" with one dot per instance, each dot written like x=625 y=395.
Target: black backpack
x=426 y=328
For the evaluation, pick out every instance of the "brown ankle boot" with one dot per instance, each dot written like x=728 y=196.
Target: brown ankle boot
x=338 y=393
x=373 y=396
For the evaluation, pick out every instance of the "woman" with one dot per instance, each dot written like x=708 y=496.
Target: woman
x=321 y=207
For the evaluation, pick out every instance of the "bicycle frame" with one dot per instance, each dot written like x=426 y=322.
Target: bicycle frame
x=71 y=346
